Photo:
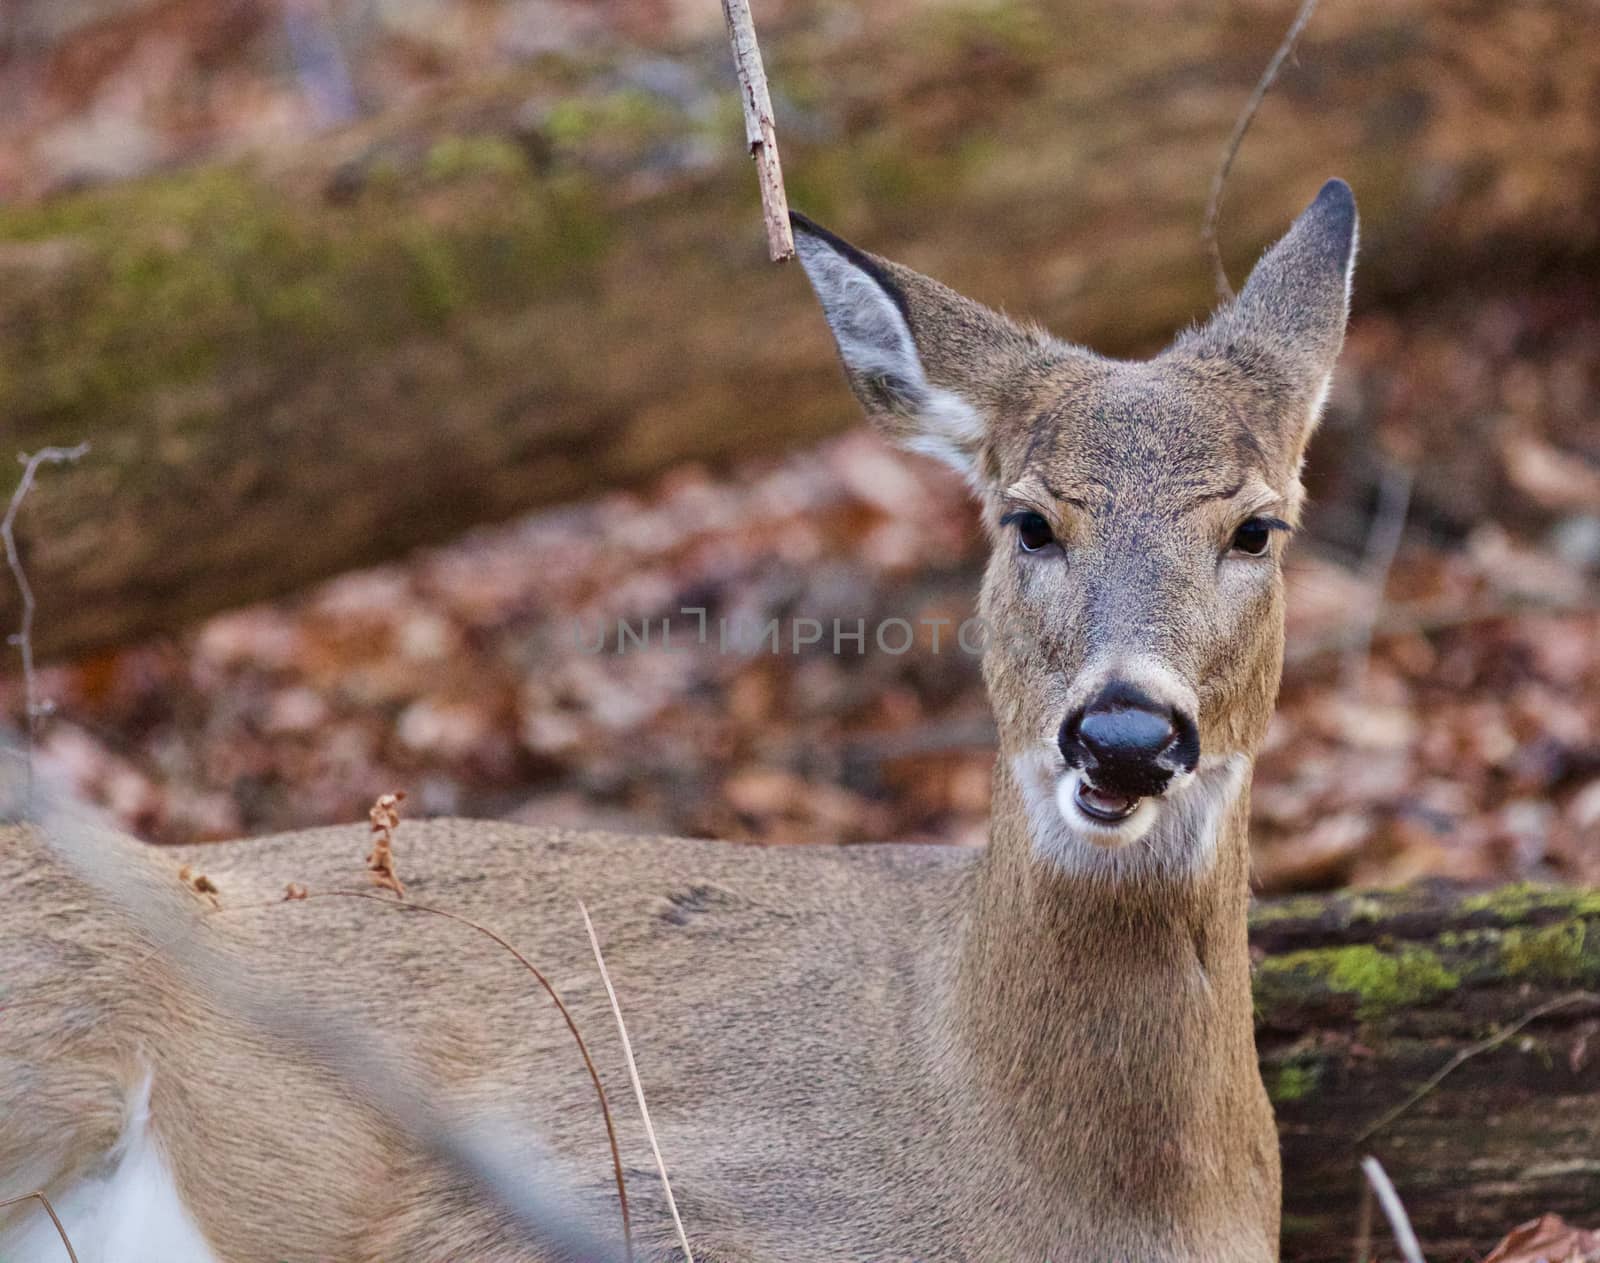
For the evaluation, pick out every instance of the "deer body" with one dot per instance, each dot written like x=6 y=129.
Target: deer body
x=1040 y=1051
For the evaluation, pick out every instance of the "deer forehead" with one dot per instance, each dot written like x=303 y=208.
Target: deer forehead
x=1164 y=440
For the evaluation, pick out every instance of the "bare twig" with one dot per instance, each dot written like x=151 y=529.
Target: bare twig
x=23 y=638
x=638 y=1088
x=1364 y=1225
x=1230 y=151
x=1383 y=542
x=49 y=1210
x=1405 y=1238
x=1475 y=1050
x=759 y=131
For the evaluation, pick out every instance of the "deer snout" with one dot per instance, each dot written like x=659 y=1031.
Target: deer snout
x=1128 y=744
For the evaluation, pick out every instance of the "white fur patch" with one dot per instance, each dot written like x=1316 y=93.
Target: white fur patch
x=128 y=1213
x=875 y=342
x=1318 y=402
x=1174 y=836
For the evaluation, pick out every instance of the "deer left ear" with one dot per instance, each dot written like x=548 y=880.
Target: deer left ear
x=930 y=367
x=1289 y=320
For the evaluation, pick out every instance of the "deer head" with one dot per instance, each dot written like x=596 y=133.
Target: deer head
x=1138 y=512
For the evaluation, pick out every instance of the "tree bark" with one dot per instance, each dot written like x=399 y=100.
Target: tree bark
x=1362 y=998
x=553 y=283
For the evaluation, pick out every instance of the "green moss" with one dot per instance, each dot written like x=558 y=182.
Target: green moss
x=1362 y=908
x=627 y=113
x=1517 y=901
x=1292 y=908
x=463 y=157
x=1468 y=940
x=1380 y=980
x=1564 y=952
x=171 y=280
x=1294 y=1081
x=1020 y=31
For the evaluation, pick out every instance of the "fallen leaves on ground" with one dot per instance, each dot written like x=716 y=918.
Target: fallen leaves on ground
x=1548 y=1239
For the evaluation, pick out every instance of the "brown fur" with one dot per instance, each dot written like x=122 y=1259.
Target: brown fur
x=889 y=1052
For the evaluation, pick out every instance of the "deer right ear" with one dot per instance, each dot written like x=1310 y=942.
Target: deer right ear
x=925 y=362
x=1293 y=309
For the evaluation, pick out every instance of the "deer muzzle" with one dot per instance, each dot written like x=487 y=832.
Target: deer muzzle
x=1129 y=747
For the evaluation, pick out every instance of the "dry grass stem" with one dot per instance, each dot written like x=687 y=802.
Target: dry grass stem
x=759 y=130
x=1230 y=151
x=54 y=1218
x=1467 y=1054
x=638 y=1088
x=1405 y=1238
x=23 y=638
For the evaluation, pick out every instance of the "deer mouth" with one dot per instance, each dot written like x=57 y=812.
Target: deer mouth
x=1103 y=805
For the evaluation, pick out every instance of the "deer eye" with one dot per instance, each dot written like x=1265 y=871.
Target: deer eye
x=1254 y=534
x=1033 y=532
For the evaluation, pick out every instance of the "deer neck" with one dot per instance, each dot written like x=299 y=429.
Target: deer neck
x=1108 y=1025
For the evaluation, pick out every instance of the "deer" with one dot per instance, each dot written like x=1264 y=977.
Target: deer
x=1037 y=1050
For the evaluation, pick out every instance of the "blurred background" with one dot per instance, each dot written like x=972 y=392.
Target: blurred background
x=420 y=341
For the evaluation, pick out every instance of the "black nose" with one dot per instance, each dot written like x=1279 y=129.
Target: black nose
x=1128 y=743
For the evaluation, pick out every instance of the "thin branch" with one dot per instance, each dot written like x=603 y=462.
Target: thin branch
x=1363 y=1252
x=54 y=1218
x=1383 y=542
x=23 y=638
x=1405 y=1238
x=406 y=905
x=638 y=1088
x=1230 y=151
x=1467 y=1054
x=759 y=131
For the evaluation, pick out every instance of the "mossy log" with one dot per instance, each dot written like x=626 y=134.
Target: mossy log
x=1362 y=998
x=552 y=283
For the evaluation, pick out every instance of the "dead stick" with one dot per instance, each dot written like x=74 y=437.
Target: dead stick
x=24 y=636
x=49 y=1210
x=1230 y=151
x=1467 y=1054
x=759 y=132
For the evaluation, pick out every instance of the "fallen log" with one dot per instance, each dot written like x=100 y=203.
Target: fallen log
x=1362 y=999
x=552 y=283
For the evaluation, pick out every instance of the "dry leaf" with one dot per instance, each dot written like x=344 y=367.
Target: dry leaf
x=200 y=884
x=385 y=817
x=1548 y=1239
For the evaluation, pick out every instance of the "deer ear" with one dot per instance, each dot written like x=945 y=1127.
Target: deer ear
x=1292 y=311
x=928 y=365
